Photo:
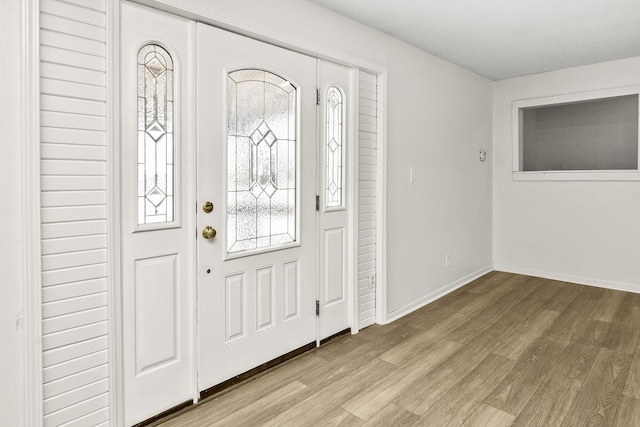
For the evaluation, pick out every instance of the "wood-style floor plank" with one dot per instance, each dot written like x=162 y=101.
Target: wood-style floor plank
x=486 y=415
x=632 y=386
x=515 y=390
x=368 y=402
x=600 y=395
x=628 y=413
x=624 y=331
x=503 y=350
x=393 y=415
x=459 y=402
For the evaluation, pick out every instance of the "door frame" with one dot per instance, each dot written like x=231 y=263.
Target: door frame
x=209 y=15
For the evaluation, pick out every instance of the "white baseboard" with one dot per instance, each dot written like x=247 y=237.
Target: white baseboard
x=439 y=293
x=607 y=284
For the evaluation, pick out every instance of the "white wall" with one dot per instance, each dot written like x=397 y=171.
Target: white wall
x=587 y=232
x=11 y=338
x=438 y=118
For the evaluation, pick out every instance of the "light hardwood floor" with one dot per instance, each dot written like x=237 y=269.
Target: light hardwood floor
x=504 y=350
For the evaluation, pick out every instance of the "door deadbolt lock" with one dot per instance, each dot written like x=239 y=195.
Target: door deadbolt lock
x=208 y=232
x=207 y=207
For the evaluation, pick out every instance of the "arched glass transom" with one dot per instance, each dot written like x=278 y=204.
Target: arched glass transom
x=333 y=148
x=155 y=135
x=261 y=162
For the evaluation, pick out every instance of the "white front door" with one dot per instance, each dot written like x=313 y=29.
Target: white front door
x=335 y=146
x=256 y=166
x=158 y=248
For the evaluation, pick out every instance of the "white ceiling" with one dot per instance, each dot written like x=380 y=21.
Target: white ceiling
x=499 y=39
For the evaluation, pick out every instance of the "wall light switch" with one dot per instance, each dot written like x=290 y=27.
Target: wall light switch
x=412 y=175
x=483 y=155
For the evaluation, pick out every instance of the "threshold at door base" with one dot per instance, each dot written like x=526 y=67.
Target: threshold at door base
x=164 y=414
x=336 y=335
x=217 y=389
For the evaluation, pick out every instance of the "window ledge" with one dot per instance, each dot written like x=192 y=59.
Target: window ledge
x=564 y=175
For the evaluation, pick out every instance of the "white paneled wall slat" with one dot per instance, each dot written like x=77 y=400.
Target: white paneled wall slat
x=81 y=379
x=97 y=5
x=70 y=413
x=71 y=182
x=73 y=213
x=73 y=244
x=70 y=198
x=99 y=418
x=72 y=336
x=72 y=121
x=75 y=396
x=72 y=74
x=73 y=259
x=72 y=89
x=65 y=25
x=71 y=229
x=82 y=15
x=57 y=361
x=73 y=290
x=54 y=38
x=72 y=167
x=77 y=365
x=72 y=152
x=70 y=105
x=73 y=320
x=60 y=55
x=73 y=305
x=72 y=136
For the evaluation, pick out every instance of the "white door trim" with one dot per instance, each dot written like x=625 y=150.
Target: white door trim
x=114 y=272
x=381 y=201
x=32 y=268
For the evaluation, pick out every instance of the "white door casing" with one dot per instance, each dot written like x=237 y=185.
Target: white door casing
x=157 y=259
x=335 y=148
x=258 y=305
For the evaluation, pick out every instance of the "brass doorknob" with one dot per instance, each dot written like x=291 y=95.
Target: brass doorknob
x=208 y=232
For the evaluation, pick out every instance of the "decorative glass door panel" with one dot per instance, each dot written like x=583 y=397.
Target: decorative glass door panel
x=261 y=164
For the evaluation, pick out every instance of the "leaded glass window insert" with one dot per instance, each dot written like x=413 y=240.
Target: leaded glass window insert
x=261 y=163
x=333 y=148
x=155 y=136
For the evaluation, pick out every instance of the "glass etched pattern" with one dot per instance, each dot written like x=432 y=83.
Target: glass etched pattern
x=261 y=163
x=333 y=163
x=155 y=136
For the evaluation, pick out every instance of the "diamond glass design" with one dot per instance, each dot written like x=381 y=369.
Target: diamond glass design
x=156 y=196
x=155 y=65
x=155 y=131
x=333 y=158
x=261 y=163
x=155 y=135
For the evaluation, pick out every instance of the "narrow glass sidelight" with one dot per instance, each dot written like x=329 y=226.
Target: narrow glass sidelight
x=155 y=136
x=261 y=162
x=333 y=148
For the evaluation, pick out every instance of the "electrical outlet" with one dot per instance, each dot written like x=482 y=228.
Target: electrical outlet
x=372 y=280
x=412 y=175
x=447 y=261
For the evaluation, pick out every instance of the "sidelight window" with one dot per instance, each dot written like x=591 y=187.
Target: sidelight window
x=333 y=148
x=155 y=136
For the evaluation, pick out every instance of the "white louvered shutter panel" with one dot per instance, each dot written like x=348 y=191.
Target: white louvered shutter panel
x=74 y=244
x=367 y=167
